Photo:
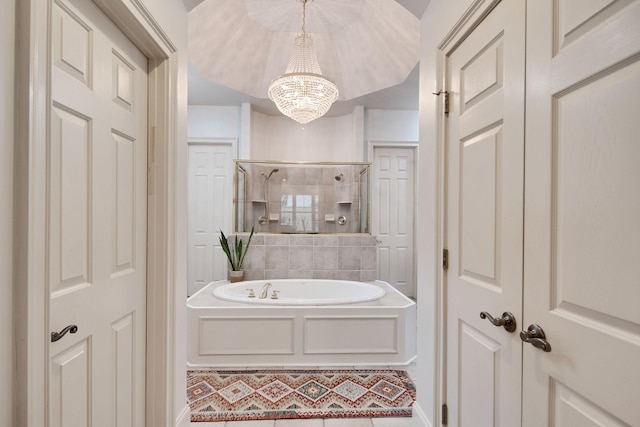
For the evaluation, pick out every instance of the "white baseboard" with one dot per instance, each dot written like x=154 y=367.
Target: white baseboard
x=184 y=418
x=419 y=417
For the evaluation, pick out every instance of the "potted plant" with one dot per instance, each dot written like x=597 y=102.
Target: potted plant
x=235 y=255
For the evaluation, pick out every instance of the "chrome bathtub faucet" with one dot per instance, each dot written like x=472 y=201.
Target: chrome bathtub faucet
x=251 y=294
x=265 y=289
x=274 y=294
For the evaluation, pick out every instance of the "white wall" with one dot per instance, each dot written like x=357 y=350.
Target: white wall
x=7 y=368
x=208 y=121
x=336 y=139
x=438 y=19
x=392 y=125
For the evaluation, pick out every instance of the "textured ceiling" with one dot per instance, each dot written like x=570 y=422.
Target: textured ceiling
x=369 y=47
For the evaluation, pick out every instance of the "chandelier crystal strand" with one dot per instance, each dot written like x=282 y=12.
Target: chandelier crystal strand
x=302 y=92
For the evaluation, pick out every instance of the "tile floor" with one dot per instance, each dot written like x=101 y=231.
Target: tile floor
x=328 y=422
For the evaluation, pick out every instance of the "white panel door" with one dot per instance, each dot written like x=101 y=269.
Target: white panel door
x=484 y=211
x=393 y=215
x=210 y=210
x=582 y=234
x=96 y=220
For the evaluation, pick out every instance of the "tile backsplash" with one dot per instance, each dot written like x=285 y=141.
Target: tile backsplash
x=311 y=256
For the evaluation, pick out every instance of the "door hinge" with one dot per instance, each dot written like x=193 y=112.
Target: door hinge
x=445 y=258
x=446 y=102
x=445 y=415
x=445 y=99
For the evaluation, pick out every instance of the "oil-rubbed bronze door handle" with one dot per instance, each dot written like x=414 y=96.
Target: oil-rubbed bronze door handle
x=55 y=336
x=534 y=335
x=508 y=320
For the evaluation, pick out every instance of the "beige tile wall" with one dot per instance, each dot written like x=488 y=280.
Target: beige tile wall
x=311 y=256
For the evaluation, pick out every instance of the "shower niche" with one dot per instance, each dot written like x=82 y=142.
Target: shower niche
x=301 y=197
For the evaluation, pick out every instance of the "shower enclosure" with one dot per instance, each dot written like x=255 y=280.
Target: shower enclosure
x=301 y=197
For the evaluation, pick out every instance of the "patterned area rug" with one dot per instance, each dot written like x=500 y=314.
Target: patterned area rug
x=272 y=394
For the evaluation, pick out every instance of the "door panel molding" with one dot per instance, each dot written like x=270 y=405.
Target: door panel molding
x=482 y=156
x=206 y=261
x=581 y=209
x=32 y=120
x=98 y=209
x=479 y=357
x=396 y=252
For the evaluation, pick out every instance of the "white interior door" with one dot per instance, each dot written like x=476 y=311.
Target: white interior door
x=582 y=235
x=484 y=215
x=210 y=210
x=393 y=215
x=96 y=220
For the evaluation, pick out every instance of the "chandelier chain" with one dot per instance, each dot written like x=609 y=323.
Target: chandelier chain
x=304 y=15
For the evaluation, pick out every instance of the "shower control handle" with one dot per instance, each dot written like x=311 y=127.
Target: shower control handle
x=508 y=320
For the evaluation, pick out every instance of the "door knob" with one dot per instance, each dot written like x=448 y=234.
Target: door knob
x=508 y=321
x=534 y=335
x=55 y=336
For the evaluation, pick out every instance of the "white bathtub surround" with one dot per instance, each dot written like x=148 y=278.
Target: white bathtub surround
x=311 y=256
x=236 y=334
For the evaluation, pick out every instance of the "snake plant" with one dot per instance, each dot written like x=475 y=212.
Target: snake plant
x=235 y=254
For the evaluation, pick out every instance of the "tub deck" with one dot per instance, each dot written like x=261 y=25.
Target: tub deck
x=232 y=334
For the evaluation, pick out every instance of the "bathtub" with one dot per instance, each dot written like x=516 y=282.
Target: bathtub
x=300 y=292
x=309 y=323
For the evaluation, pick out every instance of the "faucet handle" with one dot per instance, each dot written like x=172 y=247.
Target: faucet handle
x=274 y=294
x=251 y=293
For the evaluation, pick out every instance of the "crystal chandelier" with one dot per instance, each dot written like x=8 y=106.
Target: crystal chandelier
x=302 y=92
